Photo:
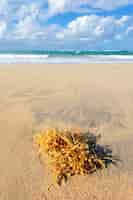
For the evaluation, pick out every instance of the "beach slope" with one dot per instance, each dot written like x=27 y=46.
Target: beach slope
x=92 y=96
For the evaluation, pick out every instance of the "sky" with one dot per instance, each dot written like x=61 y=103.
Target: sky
x=66 y=24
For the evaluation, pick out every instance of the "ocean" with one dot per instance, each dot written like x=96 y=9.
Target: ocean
x=41 y=56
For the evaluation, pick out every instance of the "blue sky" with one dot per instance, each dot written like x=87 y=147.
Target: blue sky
x=66 y=24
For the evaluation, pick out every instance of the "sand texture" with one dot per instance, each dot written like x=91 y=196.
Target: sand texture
x=87 y=96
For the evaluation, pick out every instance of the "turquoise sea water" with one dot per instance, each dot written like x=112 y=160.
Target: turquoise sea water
x=70 y=56
x=68 y=52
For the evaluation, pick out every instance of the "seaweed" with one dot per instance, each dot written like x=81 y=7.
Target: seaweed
x=70 y=153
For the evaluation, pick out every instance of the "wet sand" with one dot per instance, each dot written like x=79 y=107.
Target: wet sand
x=37 y=96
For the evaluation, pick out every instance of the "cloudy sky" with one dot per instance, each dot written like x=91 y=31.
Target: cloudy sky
x=66 y=24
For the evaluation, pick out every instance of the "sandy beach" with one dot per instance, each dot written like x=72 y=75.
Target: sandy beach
x=36 y=96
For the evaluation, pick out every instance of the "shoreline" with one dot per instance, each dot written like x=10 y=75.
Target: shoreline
x=64 y=58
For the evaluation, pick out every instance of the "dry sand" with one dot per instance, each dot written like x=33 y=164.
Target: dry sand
x=35 y=96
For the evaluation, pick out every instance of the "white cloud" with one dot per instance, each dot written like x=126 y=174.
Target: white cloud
x=123 y=20
x=59 y=6
x=28 y=10
x=22 y=19
x=62 y=6
x=129 y=31
x=110 y=4
x=25 y=23
x=97 y=28
x=3 y=26
x=3 y=5
x=28 y=26
x=25 y=28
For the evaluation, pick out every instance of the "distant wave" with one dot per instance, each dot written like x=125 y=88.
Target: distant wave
x=66 y=57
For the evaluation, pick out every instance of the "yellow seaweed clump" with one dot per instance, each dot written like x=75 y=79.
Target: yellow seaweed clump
x=68 y=153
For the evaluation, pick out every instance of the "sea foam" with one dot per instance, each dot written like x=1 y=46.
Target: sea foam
x=46 y=58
